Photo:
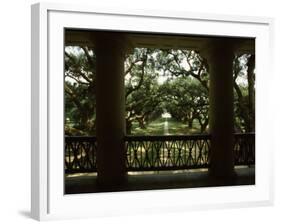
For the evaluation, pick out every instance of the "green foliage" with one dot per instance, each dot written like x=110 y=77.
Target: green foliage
x=187 y=100
x=79 y=89
x=243 y=95
x=156 y=81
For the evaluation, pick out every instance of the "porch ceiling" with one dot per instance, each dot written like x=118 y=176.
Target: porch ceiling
x=160 y=41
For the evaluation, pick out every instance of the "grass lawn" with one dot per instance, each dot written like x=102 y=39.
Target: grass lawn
x=173 y=127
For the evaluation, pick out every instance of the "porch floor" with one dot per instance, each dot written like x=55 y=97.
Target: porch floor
x=86 y=182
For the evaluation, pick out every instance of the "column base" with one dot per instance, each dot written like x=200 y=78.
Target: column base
x=112 y=184
x=223 y=178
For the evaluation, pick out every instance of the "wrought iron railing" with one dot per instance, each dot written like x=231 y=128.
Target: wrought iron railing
x=80 y=154
x=153 y=153
x=167 y=152
x=244 y=149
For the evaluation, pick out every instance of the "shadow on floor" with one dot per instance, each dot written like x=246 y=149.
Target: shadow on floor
x=87 y=183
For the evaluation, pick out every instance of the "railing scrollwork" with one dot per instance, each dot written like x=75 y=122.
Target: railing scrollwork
x=153 y=153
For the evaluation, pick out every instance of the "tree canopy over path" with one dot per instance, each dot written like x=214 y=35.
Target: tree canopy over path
x=156 y=81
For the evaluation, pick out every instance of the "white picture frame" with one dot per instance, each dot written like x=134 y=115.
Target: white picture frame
x=48 y=200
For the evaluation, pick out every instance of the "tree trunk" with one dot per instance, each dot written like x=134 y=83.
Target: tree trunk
x=204 y=126
x=128 y=127
x=141 y=123
x=251 y=92
x=190 y=123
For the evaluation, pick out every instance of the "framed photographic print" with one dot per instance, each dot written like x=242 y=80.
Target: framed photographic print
x=138 y=111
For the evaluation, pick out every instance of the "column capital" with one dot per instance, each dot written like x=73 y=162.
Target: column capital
x=235 y=45
x=112 y=40
x=218 y=44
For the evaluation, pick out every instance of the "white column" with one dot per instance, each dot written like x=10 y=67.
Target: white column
x=110 y=98
x=220 y=58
